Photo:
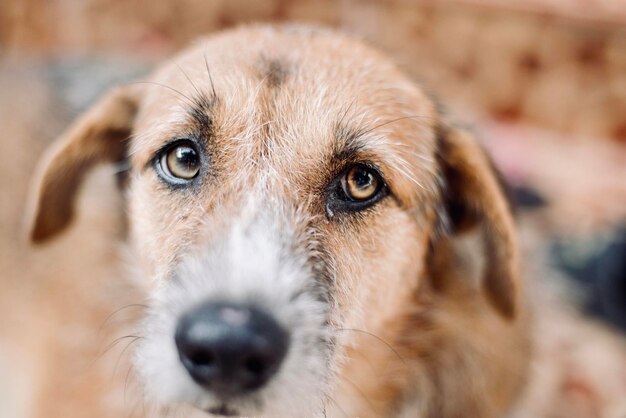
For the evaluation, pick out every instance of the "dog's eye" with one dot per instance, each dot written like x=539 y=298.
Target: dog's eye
x=360 y=183
x=180 y=162
x=358 y=187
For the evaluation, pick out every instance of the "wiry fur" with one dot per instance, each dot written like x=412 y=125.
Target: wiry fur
x=385 y=316
x=253 y=261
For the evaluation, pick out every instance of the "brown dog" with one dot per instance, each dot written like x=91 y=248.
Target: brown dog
x=316 y=239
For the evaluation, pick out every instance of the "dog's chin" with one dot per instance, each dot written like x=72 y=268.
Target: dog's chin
x=244 y=406
x=212 y=407
x=255 y=407
x=223 y=410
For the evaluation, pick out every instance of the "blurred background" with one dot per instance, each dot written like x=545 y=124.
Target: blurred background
x=542 y=81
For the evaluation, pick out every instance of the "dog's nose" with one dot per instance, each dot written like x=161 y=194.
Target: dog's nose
x=230 y=349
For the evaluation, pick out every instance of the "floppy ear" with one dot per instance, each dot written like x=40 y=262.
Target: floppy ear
x=474 y=197
x=97 y=136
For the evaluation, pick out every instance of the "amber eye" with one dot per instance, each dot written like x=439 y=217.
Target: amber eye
x=361 y=183
x=181 y=162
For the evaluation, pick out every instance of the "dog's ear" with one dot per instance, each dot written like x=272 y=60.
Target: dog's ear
x=98 y=136
x=474 y=198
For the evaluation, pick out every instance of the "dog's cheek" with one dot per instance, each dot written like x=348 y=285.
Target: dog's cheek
x=159 y=225
x=378 y=265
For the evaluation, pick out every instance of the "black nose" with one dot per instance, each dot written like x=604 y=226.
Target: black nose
x=230 y=349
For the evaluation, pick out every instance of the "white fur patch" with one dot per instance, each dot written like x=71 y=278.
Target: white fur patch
x=254 y=262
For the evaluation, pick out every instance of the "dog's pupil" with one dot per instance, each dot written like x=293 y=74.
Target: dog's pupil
x=186 y=157
x=363 y=178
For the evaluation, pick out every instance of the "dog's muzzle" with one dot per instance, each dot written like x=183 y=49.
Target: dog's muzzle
x=230 y=349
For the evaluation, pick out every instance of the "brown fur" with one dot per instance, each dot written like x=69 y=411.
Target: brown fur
x=450 y=350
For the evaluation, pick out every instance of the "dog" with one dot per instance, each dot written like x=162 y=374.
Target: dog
x=316 y=237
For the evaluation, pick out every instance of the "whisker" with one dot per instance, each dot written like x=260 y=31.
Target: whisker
x=189 y=79
x=360 y=392
x=208 y=71
x=122 y=353
x=330 y=398
x=376 y=337
x=115 y=312
x=110 y=346
x=126 y=380
x=375 y=127
x=368 y=361
x=189 y=100
x=348 y=108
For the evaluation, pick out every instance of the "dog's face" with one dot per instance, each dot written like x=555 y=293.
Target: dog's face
x=286 y=190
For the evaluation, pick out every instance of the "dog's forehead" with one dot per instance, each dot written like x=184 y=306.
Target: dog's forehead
x=300 y=93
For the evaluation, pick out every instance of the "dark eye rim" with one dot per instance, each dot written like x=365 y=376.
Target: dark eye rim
x=339 y=201
x=164 y=173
